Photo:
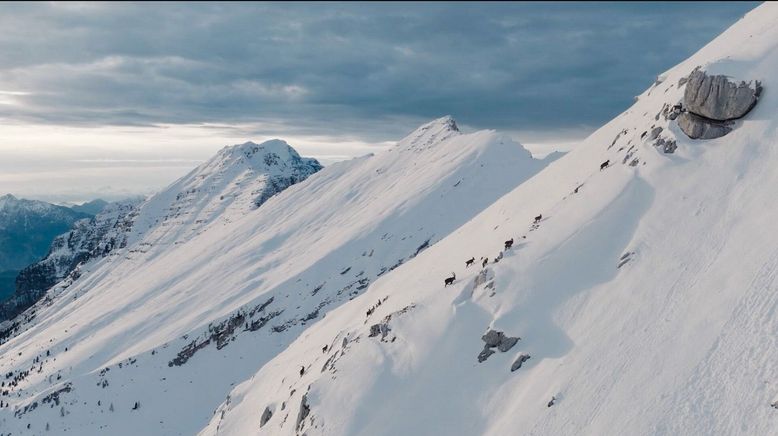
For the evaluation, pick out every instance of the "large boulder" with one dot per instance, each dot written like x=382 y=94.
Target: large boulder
x=696 y=127
x=496 y=339
x=717 y=98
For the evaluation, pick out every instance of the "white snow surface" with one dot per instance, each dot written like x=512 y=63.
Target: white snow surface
x=647 y=299
x=211 y=287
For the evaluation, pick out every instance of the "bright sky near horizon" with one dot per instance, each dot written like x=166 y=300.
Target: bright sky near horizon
x=114 y=99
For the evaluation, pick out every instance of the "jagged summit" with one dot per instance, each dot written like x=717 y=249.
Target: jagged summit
x=274 y=153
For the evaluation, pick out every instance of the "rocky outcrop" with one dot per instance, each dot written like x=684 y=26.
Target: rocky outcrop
x=519 y=361
x=696 y=127
x=496 y=339
x=711 y=103
x=266 y=415
x=716 y=98
x=88 y=239
x=305 y=409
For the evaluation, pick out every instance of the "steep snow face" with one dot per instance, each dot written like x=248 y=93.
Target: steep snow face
x=187 y=310
x=237 y=180
x=644 y=295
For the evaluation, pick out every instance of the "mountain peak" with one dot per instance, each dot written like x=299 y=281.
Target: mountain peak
x=268 y=154
x=431 y=133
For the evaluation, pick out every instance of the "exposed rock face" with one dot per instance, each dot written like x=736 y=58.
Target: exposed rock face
x=710 y=103
x=305 y=409
x=88 y=239
x=519 y=361
x=493 y=338
x=507 y=343
x=484 y=354
x=667 y=145
x=716 y=98
x=697 y=127
x=266 y=415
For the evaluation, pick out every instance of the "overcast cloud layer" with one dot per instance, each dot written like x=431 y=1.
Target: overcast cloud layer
x=334 y=67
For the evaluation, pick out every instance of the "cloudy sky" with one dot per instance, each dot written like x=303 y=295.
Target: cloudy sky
x=114 y=99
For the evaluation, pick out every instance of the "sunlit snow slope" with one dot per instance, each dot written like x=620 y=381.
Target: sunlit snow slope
x=205 y=294
x=644 y=298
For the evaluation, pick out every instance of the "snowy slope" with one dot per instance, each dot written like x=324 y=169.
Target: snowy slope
x=645 y=297
x=204 y=295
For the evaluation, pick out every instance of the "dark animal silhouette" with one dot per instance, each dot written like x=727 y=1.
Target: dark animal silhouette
x=483 y=264
x=449 y=280
x=538 y=218
x=469 y=262
x=509 y=243
x=302 y=371
x=324 y=349
x=605 y=164
x=551 y=403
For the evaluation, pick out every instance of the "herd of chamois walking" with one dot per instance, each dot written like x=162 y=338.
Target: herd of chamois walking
x=485 y=260
x=509 y=243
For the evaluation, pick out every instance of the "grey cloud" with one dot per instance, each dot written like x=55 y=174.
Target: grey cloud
x=369 y=70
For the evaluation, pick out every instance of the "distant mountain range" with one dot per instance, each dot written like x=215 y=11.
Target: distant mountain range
x=27 y=228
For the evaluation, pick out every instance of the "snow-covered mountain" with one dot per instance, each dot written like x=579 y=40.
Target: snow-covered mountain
x=641 y=300
x=210 y=287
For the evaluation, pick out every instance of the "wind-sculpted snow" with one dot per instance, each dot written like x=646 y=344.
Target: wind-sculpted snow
x=644 y=295
x=210 y=287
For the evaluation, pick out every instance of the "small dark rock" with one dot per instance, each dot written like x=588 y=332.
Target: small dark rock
x=519 y=361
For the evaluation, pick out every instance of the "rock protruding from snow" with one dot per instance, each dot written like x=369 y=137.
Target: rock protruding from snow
x=717 y=98
x=266 y=415
x=519 y=361
x=305 y=409
x=496 y=339
x=711 y=102
x=697 y=127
